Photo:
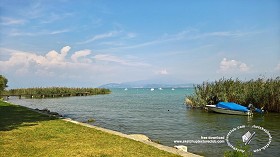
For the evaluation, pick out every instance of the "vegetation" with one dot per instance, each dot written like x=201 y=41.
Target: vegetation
x=235 y=153
x=3 y=83
x=56 y=92
x=261 y=93
x=27 y=133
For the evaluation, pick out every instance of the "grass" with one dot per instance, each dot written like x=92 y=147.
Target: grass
x=27 y=133
x=235 y=153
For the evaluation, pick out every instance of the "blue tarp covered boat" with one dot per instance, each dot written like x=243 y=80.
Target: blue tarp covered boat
x=229 y=108
x=232 y=106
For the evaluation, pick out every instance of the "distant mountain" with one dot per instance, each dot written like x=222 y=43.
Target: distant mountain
x=144 y=85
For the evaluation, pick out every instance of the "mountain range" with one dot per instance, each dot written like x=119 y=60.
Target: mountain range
x=145 y=84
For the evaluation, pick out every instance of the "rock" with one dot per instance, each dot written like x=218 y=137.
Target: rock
x=182 y=148
x=46 y=110
x=140 y=137
x=91 y=120
x=55 y=114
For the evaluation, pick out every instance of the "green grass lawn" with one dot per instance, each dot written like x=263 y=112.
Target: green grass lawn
x=27 y=133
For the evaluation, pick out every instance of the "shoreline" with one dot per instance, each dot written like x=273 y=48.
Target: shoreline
x=136 y=137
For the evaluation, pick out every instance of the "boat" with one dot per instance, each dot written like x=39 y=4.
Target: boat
x=152 y=89
x=230 y=108
x=125 y=89
x=160 y=88
x=172 y=89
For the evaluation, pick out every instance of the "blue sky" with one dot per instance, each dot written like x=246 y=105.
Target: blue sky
x=90 y=43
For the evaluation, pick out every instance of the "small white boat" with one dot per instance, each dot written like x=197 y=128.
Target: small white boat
x=160 y=88
x=172 y=89
x=227 y=111
x=125 y=89
x=152 y=89
x=229 y=108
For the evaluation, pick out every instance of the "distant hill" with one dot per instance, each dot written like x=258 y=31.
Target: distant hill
x=144 y=85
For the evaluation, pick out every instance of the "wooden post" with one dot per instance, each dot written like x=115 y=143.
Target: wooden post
x=19 y=96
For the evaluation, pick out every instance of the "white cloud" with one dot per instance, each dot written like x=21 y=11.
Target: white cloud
x=11 y=21
x=232 y=66
x=99 y=37
x=16 y=32
x=243 y=67
x=57 y=65
x=130 y=35
x=54 y=56
x=277 y=68
x=189 y=34
x=79 y=54
x=115 y=59
x=110 y=58
x=59 y=31
x=162 y=72
x=53 y=62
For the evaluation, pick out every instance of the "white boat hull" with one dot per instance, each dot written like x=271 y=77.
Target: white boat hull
x=227 y=111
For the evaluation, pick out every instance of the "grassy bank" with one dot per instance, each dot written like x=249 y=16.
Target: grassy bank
x=56 y=92
x=27 y=133
x=261 y=93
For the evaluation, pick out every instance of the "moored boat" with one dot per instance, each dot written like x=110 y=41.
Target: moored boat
x=229 y=108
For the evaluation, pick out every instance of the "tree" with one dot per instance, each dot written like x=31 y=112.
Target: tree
x=3 y=83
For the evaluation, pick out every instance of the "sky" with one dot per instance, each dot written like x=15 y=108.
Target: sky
x=93 y=42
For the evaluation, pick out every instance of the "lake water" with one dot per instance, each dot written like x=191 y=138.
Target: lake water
x=162 y=116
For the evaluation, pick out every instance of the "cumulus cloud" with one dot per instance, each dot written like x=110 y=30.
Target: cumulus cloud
x=54 y=56
x=232 y=66
x=62 y=64
x=24 y=62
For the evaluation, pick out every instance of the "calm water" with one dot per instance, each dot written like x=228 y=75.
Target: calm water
x=162 y=116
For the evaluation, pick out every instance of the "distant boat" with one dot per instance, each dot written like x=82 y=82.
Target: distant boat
x=229 y=108
x=160 y=88
x=152 y=89
x=125 y=89
x=172 y=89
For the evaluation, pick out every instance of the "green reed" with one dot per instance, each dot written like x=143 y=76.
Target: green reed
x=56 y=91
x=260 y=92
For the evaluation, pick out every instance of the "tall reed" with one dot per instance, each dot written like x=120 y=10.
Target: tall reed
x=56 y=91
x=260 y=92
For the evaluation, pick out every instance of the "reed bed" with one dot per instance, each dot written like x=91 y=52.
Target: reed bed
x=262 y=93
x=56 y=91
